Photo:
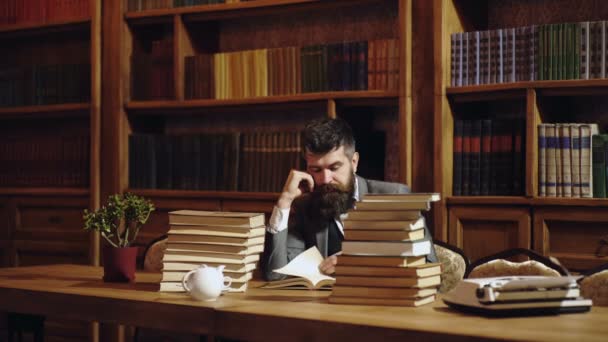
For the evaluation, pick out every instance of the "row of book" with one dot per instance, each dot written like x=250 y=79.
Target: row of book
x=252 y=161
x=234 y=240
x=44 y=84
x=22 y=12
x=153 y=72
x=488 y=157
x=140 y=5
x=542 y=52
x=383 y=259
x=565 y=159
x=344 y=66
x=44 y=161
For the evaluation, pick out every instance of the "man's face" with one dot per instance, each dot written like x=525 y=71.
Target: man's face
x=333 y=174
x=334 y=167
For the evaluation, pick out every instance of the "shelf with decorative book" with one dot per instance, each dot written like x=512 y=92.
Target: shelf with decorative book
x=50 y=101
x=197 y=74
x=370 y=97
x=548 y=62
x=209 y=100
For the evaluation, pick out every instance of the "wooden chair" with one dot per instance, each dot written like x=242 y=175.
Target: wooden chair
x=454 y=264
x=496 y=265
x=594 y=285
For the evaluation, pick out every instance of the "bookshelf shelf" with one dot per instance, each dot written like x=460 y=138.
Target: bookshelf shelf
x=370 y=97
x=69 y=109
x=45 y=191
x=564 y=86
x=566 y=202
x=519 y=200
x=191 y=194
x=227 y=11
x=488 y=200
x=21 y=30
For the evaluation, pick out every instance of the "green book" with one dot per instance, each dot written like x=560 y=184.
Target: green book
x=598 y=155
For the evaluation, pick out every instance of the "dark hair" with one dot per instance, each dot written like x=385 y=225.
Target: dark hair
x=324 y=135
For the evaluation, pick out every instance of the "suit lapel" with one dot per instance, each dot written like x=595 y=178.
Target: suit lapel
x=362 y=184
x=322 y=237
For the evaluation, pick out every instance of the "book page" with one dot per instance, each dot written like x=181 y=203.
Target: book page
x=306 y=265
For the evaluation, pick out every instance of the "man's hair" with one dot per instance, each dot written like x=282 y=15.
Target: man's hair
x=324 y=135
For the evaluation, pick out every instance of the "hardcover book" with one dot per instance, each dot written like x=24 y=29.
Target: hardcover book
x=304 y=272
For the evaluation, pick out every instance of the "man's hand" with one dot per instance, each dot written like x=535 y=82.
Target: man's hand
x=297 y=183
x=328 y=266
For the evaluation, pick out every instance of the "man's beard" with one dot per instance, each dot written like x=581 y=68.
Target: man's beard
x=328 y=201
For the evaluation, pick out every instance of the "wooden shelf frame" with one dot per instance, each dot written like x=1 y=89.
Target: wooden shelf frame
x=452 y=16
x=44 y=29
x=124 y=33
x=45 y=191
x=61 y=110
x=88 y=28
x=389 y=98
x=215 y=12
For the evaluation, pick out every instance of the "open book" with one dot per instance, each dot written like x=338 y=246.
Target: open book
x=304 y=272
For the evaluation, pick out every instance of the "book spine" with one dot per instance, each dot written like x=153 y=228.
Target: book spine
x=584 y=50
x=558 y=161
x=586 y=132
x=533 y=53
x=466 y=157
x=575 y=159
x=519 y=129
x=453 y=64
x=542 y=163
x=475 y=158
x=458 y=154
x=486 y=155
x=551 y=167
x=565 y=149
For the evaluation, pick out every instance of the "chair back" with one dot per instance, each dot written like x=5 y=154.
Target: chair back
x=496 y=265
x=153 y=255
x=454 y=264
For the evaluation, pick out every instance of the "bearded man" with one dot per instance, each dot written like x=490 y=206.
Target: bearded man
x=309 y=211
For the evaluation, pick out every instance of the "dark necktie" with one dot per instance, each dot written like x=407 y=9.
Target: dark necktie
x=334 y=243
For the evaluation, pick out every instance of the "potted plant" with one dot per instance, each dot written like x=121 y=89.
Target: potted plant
x=119 y=222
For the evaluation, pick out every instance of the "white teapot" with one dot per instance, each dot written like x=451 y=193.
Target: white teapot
x=206 y=283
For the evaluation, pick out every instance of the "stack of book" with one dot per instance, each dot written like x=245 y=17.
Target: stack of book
x=383 y=259
x=212 y=238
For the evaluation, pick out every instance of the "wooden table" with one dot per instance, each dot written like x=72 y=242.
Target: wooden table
x=77 y=292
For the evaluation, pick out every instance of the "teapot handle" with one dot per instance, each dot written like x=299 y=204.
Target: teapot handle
x=227 y=286
x=185 y=280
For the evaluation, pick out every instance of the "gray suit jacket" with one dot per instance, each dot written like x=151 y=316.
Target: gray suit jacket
x=305 y=231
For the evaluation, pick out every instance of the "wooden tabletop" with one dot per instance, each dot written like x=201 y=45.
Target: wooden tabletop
x=77 y=292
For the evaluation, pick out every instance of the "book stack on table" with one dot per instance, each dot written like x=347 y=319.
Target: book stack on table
x=383 y=259
x=213 y=238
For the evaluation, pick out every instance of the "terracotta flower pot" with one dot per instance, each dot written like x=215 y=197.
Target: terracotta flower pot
x=119 y=264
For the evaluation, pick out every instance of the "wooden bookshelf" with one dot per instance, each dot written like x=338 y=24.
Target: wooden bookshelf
x=43 y=223
x=553 y=226
x=243 y=26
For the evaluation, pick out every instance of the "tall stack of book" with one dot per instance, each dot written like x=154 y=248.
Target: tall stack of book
x=383 y=259
x=212 y=238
